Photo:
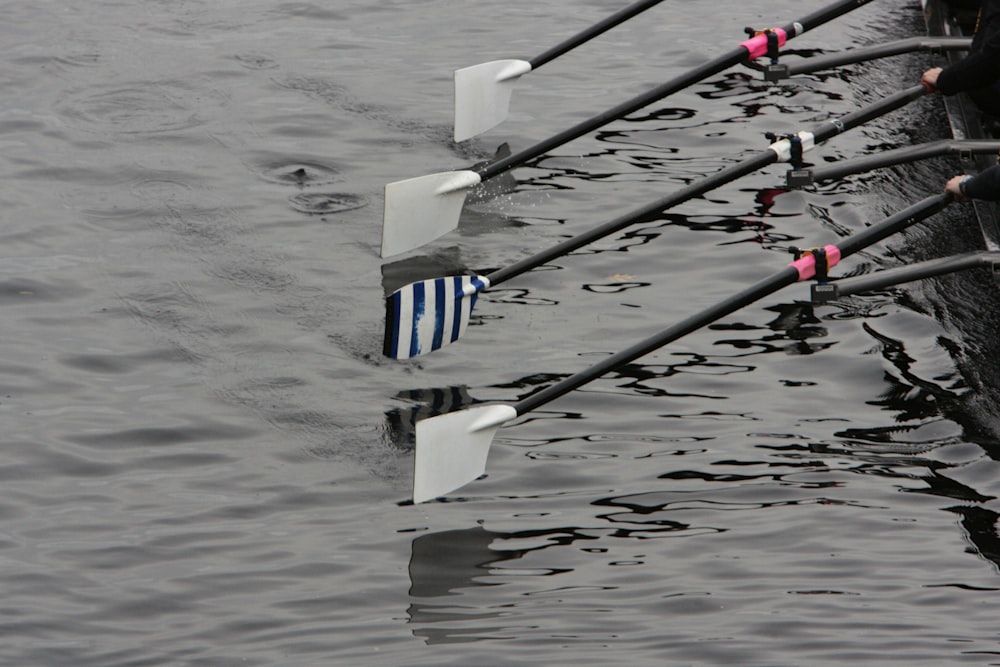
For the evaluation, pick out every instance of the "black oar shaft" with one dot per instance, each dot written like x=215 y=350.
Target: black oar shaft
x=687 y=193
x=783 y=278
x=604 y=25
x=906 y=154
x=906 y=274
x=909 y=216
x=898 y=100
x=710 y=68
x=680 y=83
x=827 y=14
x=824 y=131
x=864 y=54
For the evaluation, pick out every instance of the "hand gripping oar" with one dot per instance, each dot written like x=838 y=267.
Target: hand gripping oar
x=482 y=92
x=425 y=316
x=452 y=449
x=419 y=210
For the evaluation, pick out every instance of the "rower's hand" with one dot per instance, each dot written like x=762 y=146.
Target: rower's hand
x=929 y=79
x=954 y=186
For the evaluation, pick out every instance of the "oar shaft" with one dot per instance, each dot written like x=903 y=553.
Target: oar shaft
x=680 y=83
x=903 y=155
x=864 y=54
x=783 y=278
x=787 y=276
x=687 y=193
x=725 y=61
x=822 y=132
x=604 y=25
x=906 y=274
x=828 y=13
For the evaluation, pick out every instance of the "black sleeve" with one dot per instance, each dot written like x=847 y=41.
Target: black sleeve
x=984 y=185
x=981 y=67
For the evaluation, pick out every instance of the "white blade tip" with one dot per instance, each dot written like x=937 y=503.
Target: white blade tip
x=482 y=95
x=451 y=449
x=419 y=210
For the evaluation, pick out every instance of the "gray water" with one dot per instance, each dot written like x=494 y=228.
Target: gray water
x=206 y=460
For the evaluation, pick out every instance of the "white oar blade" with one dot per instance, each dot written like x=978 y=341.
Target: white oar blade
x=452 y=449
x=482 y=95
x=425 y=316
x=419 y=210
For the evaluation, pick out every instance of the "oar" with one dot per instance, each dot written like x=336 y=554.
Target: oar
x=938 y=45
x=905 y=274
x=903 y=155
x=452 y=449
x=427 y=315
x=482 y=92
x=419 y=210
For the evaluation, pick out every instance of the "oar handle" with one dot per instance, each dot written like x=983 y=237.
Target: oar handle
x=680 y=83
x=783 y=278
x=864 y=54
x=604 y=25
x=733 y=57
x=798 y=270
x=904 y=155
x=906 y=274
x=909 y=216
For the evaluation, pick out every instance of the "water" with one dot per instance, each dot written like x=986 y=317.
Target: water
x=206 y=458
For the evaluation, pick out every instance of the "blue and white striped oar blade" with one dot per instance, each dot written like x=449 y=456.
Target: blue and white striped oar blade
x=419 y=210
x=482 y=95
x=452 y=449
x=425 y=316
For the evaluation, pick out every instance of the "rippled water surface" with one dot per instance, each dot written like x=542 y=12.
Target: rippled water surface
x=206 y=458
